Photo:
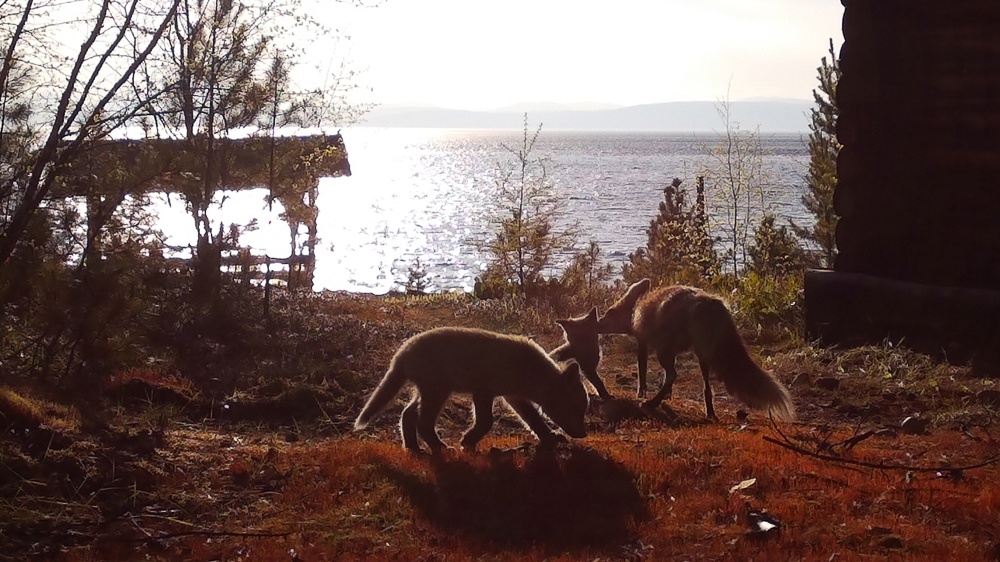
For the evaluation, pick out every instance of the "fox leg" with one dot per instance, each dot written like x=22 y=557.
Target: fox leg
x=534 y=420
x=430 y=407
x=595 y=380
x=408 y=424
x=669 y=376
x=709 y=407
x=483 y=411
x=643 y=356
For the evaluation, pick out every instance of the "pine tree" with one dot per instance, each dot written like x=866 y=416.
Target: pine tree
x=823 y=150
x=679 y=248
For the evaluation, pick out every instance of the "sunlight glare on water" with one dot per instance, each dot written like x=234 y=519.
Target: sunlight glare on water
x=269 y=234
x=395 y=208
x=426 y=194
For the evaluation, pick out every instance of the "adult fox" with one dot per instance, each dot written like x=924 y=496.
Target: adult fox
x=676 y=318
x=485 y=364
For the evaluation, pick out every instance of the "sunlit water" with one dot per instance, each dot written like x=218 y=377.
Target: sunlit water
x=426 y=194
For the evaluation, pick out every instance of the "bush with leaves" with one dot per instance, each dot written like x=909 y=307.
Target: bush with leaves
x=586 y=274
x=766 y=297
x=679 y=248
x=765 y=307
x=775 y=251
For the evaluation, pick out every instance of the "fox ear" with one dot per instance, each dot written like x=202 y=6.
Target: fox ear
x=592 y=315
x=562 y=323
x=639 y=288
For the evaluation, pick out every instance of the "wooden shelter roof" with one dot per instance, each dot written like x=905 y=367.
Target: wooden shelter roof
x=285 y=164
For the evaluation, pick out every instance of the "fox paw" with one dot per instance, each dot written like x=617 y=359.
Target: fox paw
x=437 y=451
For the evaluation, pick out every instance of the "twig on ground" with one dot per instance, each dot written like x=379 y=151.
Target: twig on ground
x=881 y=466
x=206 y=533
x=850 y=442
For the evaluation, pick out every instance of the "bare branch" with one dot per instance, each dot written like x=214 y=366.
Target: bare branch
x=96 y=73
x=8 y=59
x=49 y=155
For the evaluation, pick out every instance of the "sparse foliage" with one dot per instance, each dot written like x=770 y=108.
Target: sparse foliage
x=227 y=66
x=63 y=310
x=736 y=179
x=521 y=248
x=416 y=281
x=80 y=99
x=586 y=275
x=216 y=80
x=84 y=286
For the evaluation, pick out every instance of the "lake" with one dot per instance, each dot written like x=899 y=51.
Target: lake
x=425 y=193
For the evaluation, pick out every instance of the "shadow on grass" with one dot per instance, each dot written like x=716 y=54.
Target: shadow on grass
x=563 y=500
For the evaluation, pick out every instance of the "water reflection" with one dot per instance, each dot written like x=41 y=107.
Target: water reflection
x=424 y=193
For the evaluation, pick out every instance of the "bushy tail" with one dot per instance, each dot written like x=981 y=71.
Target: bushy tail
x=390 y=386
x=718 y=342
x=758 y=389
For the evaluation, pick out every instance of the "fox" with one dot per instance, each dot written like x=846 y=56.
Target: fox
x=449 y=360
x=678 y=318
x=581 y=344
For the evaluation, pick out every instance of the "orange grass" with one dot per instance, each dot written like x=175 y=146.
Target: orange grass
x=641 y=492
x=635 y=491
x=151 y=377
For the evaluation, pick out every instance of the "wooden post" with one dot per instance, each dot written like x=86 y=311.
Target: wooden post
x=267 y=287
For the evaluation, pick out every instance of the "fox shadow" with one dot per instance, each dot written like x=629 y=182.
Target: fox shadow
x=562 y=500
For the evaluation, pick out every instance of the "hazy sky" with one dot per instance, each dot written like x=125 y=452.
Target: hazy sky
x=485 y=54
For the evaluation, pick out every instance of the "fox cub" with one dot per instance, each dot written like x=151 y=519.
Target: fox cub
x=582 y=345
x=483 y=364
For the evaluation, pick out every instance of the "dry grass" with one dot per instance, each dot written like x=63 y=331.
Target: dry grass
x=641 y=492
x=152 y=378
x=680 y=487
x=22 y=411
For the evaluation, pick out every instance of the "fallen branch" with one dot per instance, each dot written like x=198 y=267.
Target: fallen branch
x=256 y=535
x=882 y=466
x=152 y=536
x=848 y=444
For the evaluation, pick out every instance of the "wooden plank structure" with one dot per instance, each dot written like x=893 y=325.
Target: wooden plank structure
x=290 y=167
x=919 y=180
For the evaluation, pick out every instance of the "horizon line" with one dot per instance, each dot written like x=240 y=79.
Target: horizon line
x=569 y=106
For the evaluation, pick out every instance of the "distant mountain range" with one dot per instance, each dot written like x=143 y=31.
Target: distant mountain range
x=692 y=116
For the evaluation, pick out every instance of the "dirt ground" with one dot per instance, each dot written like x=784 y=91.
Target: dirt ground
x=892 y=456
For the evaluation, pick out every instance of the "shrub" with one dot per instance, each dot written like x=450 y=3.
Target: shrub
x=775 y=250
x=679 y=248
x=524 y=239
x=768 y=307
